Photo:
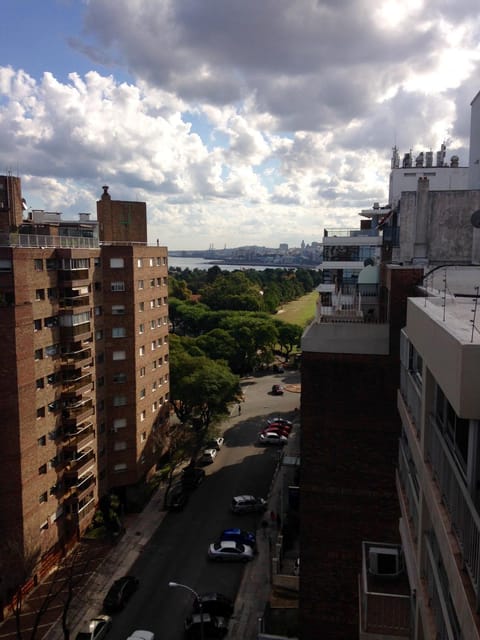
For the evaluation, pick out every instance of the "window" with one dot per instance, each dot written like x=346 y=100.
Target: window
x=42 y=441
x=159 y=302
x=159 y=282
x=120 y=446
x=51 y=321
x=38 y=264
x=456 y=430
x=152 y=304
x=165 y=300
x=159 y=262
x=159 y=322
x=143 y=436
x=119 y=377
x=154 y=406
x=119 y=332
x=119 y=401
x=140 y=284
x=154 y=385
x=153 y=345
x=141 y=306
x=142 y=393
x=160 y=361
x=97 y=286
x=415 y=364
x=118 y=309
x=154 y=365
x=99 y=334
x=100 y=357
x=40 y=294
x=141 y=328
x=139 y=263
x=40 y=383
x=165 y=281
x=98 y=311
x=143 y=415
x=97 y=262
x=5 y=265
x=116 y=263
x=120 y=467
x=141 y=350
x=52 y=350
x=152 y=324
x=142 y=371
x=43 y=497
x=42 y=469
x=164 y=260
x=152 y=282
x=119 y=423
x=119 y=355
x=52 y=264
x=150 y=262
x=52 y=293
x=38 y=354
x=37 y=325
x=159 y=342
x=117 y=286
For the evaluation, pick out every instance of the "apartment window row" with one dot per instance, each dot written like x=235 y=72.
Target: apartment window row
x=50 y=264
x=51 y=379
x=158 y=261
x=48 y=323
x=48 y=352
x=153 y=303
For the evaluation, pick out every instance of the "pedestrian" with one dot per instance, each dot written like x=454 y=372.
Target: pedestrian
x=239 y=408
x=273 y=517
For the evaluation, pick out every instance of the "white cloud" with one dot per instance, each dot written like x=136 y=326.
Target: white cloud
x=241 y=122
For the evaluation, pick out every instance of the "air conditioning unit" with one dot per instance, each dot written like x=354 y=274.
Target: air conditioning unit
x=385 y=561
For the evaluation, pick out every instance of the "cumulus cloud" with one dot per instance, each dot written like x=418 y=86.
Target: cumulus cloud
x=242 y=122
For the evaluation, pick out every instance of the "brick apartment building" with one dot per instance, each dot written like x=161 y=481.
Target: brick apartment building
x=84 y=372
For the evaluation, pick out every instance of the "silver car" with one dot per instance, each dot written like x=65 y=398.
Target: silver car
x=230 y=550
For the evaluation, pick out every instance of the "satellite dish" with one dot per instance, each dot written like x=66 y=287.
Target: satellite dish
x=475 y=219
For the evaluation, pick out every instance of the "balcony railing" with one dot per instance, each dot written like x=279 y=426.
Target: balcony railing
x=29 y=240
x=77 y=464
x=350 y=303
x=74 y=357
x=78 y=411
x=77 y=384
x=350 y=233
x=464 y=517
x=408 y=485
x=412 y=397
x=75 y=301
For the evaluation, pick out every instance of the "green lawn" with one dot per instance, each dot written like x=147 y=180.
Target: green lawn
x=301 y=311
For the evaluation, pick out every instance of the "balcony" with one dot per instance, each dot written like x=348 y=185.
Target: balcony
x=80 y=435
x=74 y=301
x=77 y=412
x=73 y=275
x=78 y=464
x=76 y=331
x=78 y=384
x=349 y=303
x=70 y=358
x=384 y=593
x=78 y=486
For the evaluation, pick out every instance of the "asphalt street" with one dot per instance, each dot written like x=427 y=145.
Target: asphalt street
x=159 y=547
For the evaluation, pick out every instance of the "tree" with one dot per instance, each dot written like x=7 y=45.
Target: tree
x=201 y=390
x=288 y=336
x=178 y=440
x=177 y=288
x=232 y=291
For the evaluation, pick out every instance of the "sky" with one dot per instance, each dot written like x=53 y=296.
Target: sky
x=238 y=122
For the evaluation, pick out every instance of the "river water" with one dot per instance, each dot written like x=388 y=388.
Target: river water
x=201 y=263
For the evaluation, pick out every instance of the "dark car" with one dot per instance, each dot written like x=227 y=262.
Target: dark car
x=213 y=626
x=119 y=593
x=277 y=390
x=216 y=604
x=248 y=504
x=176 y=498
x=239 y=535
x=192 y=477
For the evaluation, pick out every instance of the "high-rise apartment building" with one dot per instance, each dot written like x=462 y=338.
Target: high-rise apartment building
x=84 y=373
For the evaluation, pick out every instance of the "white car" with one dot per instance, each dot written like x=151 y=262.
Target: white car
x=98 y=628
x=208 y=456
x=141 y=634
x=272 y=437
x=230 y=550
x=215 y=443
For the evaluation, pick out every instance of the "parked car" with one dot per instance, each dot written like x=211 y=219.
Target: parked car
x=208 y=456
x=247 y=504
x=142 y=634
x=213 y=626
x=119 y=593
x=214 y=603
x=230 y=550
x=277 y=390
x=279 y=421
x=98 y=628
x=176 y=498
x=272 y=437
x=192 y=477
x=239 y=535
x=215 y=443
x=277 y=428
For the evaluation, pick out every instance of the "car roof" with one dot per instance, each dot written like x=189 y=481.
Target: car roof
x=232 y=544
x=244 y=498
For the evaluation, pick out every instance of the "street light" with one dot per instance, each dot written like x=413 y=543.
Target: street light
x=197 y=598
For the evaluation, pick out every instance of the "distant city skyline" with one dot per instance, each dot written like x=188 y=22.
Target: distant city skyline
x=237 y=123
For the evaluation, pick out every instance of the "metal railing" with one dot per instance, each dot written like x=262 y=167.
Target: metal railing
x=464 y=516
x=412 y=397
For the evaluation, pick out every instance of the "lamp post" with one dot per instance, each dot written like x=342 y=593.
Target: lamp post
x=197 y=598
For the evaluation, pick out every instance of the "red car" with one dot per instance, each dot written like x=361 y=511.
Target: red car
x=279 y=425
x=276 y=429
